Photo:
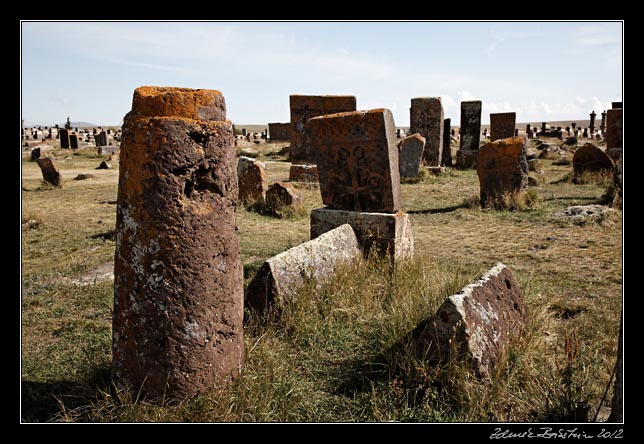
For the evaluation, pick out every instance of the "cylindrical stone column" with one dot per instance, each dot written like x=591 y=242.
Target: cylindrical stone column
x=178 y=281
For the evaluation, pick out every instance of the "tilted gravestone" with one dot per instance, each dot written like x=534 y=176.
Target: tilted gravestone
x=591 y=158
x=251 y=176
x=357 y=160
x=178 y=280
x=50 y=173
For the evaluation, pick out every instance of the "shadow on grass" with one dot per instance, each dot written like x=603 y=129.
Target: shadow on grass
x=41 y=401
x=438 y=210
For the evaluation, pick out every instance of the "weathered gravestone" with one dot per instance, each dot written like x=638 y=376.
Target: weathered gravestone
x=280 y=277
x=614 y=128
x=35 y=154
x=446 y=157
x=49 y=171
x=305 y=107
x=410 y=155
x=591 y=158
x=64 y=138
x=73 y=141
x=616 y=105
x=477 y=323
x=252 y=181
x=281 y=195
x=303 y=173
x=357 y=160
x=178 y=281
x=426 y=118
x=100 y=139
x=359 y=180
x=502 y=167
x=470 y=132
x=502 y=125
x=279 y=131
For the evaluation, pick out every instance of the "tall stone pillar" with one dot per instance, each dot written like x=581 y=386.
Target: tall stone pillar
x=178 y=282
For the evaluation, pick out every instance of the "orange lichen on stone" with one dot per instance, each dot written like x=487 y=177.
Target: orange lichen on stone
x=196 y=104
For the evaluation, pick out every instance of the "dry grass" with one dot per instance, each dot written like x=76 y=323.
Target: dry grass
x=330 y=357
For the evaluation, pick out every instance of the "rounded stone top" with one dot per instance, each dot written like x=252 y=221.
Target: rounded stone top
x=196 y=104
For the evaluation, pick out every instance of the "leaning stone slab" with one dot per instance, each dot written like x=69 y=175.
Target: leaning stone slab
x=357 y=157
x=281 y=276
x=410 y=155
x=252 y=180
x=49 y=171
x=389 y=234
x=477 y=323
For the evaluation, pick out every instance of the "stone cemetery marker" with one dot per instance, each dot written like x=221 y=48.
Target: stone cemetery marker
x=73 y=141
x=251 y=176
x=592 y=121
x=480 y=320
x=303 y=173
x=591 y=158
x=64 y=138
x=446 y=157
x=426 y=118
x=602 y=126
x=281 y=276
x=305 y=107
x=615 y=105
x=502 y=167
x=410 y=155
x=357 y=160
x=100 y=139
x=178 y=281
x=614 y=128
x=470 y=125
x=49 y=171
x=281 y=194
x=279 y=131
x=502 y=125
x=35 y=154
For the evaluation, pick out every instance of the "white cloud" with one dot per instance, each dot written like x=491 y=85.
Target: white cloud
x=580 y=100
x=597 y=35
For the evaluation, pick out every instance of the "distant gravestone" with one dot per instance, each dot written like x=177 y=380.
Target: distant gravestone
x=178 y=278
x=303 y=173
x=281 y=195
x=477 y=323
x=592 y=122
x=426 y=118
x=357 y=160
x=616 y=105
x=64 y=138
x=446 y=157
x=279 y=131
x=411 y=155
x=591 y=158
x=502 y=167
x=49 y=171
x=305 y=107
x=251 y=177
x=614 y=128
x=100 y=139
x=502 y=125
x=73 y=141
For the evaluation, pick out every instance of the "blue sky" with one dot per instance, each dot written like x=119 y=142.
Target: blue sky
x=544 y=71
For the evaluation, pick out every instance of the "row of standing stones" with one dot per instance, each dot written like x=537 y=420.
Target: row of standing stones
x=179 y=296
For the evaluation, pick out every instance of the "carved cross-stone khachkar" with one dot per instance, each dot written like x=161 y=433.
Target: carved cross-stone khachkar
x=305 y=107
x=614 y=138
x=502 y=167
x=470 y=133
x=178 y=280
x=358 y=167
x=502 y=125
x=426 y=118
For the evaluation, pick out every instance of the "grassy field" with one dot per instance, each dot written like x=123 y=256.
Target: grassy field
x=336 y=354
